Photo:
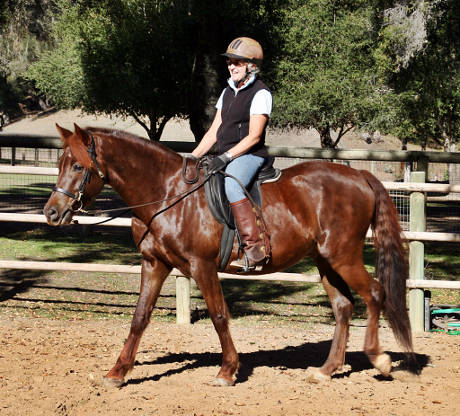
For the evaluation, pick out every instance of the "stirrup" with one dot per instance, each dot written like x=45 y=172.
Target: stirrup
x=247 y=267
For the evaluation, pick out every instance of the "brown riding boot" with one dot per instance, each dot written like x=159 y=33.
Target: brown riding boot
x=250 y=233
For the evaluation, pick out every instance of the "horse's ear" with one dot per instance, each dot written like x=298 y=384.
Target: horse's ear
x=82 y=135
x=79 y=143
x=64 y=133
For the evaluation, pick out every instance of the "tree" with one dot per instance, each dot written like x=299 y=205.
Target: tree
x=149 y=59
x=418 y=56
x=325 y=71
x=24 y=34
x=130 y=58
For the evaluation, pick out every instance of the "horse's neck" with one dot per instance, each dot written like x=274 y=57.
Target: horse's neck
x=138 y=171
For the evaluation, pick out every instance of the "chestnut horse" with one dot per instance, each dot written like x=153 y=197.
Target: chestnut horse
x=316 y=209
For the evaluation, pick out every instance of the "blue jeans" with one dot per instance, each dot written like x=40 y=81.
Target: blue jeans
x=244 y=168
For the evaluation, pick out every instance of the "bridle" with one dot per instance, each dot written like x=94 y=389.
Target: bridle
x=86 y=179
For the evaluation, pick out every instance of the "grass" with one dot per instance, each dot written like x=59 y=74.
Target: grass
x=11 y=184
x=72 y=295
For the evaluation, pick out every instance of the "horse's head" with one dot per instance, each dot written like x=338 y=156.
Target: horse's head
x=80 y=177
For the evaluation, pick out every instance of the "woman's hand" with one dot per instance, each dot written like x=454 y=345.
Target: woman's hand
x=219 y=162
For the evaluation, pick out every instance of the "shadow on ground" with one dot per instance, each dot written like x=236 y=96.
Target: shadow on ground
x=311 y=354
x=14 y=282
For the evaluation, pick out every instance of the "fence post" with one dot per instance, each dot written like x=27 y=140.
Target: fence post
x=183 y=315
x=422 y=166
x=416 y=255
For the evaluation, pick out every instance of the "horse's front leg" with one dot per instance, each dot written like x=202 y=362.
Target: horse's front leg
x=154 y=274
x=211 y=290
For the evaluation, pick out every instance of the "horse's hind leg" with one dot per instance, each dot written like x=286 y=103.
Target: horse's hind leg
x=356 y=276
x=211 y=290
x=154 y=274
x=342 y=306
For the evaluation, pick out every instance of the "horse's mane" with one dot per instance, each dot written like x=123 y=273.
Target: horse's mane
x=114 y=132
x=123 y=135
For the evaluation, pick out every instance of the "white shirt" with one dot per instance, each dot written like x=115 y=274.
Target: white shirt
x=261 y=102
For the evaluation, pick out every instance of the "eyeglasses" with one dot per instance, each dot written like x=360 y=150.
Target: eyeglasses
x=235 y=62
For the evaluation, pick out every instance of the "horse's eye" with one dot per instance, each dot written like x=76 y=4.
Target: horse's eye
x=77 y=167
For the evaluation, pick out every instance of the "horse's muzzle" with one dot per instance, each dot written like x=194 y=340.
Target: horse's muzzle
x=55 y=217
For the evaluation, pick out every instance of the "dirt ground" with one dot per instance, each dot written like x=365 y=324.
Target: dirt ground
x=55 y=367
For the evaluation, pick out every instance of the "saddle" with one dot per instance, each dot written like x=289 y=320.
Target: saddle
x=220 y=207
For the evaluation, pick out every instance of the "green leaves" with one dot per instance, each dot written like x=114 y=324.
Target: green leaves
x=332 y=65
x=425 y=88
x=130 y=58
x=59 y=73
x=324 y=72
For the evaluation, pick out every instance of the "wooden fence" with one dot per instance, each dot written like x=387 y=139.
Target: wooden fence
x=417 y=233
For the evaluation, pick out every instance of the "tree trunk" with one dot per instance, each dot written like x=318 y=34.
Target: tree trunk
x=208 y=69
x=325 y=138
x=154 y=127
x=204 y=92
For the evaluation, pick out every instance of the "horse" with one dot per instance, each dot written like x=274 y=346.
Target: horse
x=317 y=209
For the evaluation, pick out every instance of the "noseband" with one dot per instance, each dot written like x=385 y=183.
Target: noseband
x=86 y=178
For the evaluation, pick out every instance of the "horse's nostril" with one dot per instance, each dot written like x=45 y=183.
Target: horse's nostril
x=50 y=213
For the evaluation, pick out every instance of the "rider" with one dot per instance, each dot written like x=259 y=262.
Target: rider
x=243 y=110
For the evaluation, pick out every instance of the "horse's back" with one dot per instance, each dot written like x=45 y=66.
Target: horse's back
x=320 y=181
x=315 y=202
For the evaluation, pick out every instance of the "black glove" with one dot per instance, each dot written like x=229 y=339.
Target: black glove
x=219 y=162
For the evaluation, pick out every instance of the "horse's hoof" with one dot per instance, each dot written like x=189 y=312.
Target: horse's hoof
x=383 y=364
x=113 y=382
x=316 y=376
x=221 y=382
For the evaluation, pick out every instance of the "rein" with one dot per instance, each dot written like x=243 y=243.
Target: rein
x=87 y=179
x=180 y=195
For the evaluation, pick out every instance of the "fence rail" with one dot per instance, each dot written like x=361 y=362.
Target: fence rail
x=390 y=186
x=129 y=269
x=54 y=142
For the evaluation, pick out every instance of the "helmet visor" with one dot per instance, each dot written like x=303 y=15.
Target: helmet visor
x=242 y=58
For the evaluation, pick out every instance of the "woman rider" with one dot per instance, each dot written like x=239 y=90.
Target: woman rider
x=238 y=128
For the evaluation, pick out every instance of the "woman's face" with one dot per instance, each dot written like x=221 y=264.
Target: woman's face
x=237 y=69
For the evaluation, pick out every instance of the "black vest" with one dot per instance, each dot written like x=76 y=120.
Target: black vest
x=235 y=119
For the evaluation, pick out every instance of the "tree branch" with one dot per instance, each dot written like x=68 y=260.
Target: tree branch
x=139 y=121
x=342 y=133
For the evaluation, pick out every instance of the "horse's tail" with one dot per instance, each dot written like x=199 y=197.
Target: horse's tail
x=391 y=267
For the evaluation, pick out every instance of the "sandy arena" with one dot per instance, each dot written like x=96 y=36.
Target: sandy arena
x=56 y=367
